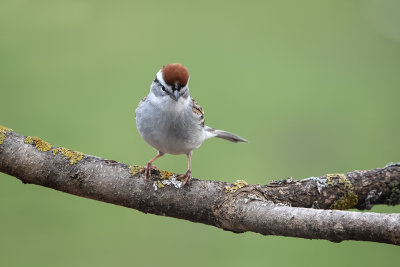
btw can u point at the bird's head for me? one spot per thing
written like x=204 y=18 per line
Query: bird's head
x=172 y=80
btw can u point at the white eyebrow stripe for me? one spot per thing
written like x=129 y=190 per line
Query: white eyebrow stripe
x=161 y=79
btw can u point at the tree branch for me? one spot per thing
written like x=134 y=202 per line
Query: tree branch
x=279 y=208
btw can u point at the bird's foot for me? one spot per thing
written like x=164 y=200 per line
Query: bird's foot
x=147 y=170
x=187 y=176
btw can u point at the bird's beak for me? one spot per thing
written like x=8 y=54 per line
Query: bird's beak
x=176 y=95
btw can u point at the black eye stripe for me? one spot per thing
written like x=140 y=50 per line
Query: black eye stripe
x=158 y=82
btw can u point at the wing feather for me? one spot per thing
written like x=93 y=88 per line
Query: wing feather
x=199 y=111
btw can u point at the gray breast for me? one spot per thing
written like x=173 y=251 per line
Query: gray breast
x=169 y=130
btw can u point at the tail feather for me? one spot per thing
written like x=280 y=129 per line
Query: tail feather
x=225 y=135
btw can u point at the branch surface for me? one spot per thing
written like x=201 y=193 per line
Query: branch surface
x=289 y=208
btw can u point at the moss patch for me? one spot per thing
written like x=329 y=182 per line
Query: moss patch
x=350 y=199
x=40 y=144
x=3 y=132
x=394 y=198
x=73 y=156
x=237 y=185
x=345 y=202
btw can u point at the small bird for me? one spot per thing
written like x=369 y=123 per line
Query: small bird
x=171 y=121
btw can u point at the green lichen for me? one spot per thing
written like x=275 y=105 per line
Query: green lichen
x=237 y=185
x=135 y=169
x=73 y=156
x=3 y=132
x=345 y=202
x=350 y=199
x=40 y=144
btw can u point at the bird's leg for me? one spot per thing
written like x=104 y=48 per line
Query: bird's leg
x=188 y=174
x=147 y=169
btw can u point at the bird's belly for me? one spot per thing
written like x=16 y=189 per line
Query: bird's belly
x=170 y=133
x=167 y=142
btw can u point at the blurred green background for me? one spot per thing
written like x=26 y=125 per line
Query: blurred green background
x=314 y=86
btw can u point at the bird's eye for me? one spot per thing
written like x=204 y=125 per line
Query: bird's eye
x=163 y=88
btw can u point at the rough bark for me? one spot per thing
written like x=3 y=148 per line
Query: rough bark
x=279 y=208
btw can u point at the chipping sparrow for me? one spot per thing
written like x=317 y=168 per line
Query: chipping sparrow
x=171 y=121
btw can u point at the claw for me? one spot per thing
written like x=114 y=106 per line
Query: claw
x=147 y=170
x=187 y=176
x=149 y=165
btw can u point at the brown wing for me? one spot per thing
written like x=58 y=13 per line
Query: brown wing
x=199 y=111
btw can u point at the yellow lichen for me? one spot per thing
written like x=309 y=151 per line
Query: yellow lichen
x=3 y=132
x=159 y=184
x=237 y=185
x=164 y=179
x=329 y=178
x=40 y=144
x=347 y=184
x=350 y=199
x=73 y=156
x=134 y=169
x=4 y=129
x=165 y=175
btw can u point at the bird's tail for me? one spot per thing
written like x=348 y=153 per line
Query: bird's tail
x=211 y=132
